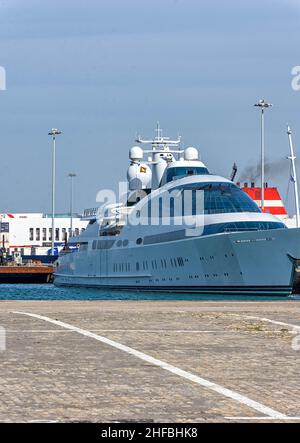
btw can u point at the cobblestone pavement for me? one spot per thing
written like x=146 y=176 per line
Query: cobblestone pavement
x=50 y=373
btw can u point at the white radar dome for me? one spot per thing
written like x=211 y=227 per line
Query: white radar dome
x=139 y=176
x=136 y=153
x=191 y=154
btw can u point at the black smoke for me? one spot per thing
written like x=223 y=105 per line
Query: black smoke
x=274 y=169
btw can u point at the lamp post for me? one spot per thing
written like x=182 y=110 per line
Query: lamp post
x=53 y=133
x=262 y=104
x=71 y=175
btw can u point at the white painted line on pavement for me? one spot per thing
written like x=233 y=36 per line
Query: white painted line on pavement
x=166 y=366
x=275 y=322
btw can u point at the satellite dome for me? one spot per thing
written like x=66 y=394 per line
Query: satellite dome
x=136 y=153
x=191 y=153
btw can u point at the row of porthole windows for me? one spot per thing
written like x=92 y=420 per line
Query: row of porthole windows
x=121 y=267
x=226 y=274
x=144 y=265
x=156 y=280
x=205 y=275
x=174 y=262
x=125 y=267
x=151 y=280
x=212 y=257
x=122 y=243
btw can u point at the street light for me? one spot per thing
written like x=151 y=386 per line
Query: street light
x=262 y=104
x=71 y=175
x=53 y=133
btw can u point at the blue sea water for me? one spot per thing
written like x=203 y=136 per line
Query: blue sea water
x=51 y=292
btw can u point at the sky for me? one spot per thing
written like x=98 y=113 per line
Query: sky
x=103 y=70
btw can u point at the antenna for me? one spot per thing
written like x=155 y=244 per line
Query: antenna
x=158 y=131
x=294 y=176
x=161 y=149
x=233 y=172
x=160 y=143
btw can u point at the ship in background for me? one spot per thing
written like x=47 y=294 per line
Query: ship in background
x=267 y=198
x=273 y=203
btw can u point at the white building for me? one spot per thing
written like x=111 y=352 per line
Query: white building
x=31 y=233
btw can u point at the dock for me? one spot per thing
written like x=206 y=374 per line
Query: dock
x=156 y=361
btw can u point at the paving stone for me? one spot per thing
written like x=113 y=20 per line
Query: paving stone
x=53 y=374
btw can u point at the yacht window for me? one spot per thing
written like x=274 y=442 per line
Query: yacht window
x=172 y=207
x=180 y=261
x=182 y=171
x=221 y=198
x=105 y=244
x=242 y=226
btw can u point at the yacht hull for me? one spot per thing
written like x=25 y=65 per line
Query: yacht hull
x=248 y=263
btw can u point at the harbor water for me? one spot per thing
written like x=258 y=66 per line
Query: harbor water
x=51 y=292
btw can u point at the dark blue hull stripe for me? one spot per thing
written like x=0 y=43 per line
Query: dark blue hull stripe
x=237 y=290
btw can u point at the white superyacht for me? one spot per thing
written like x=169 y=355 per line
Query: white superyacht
x=181 y=229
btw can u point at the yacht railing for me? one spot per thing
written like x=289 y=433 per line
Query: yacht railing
x=89 y=213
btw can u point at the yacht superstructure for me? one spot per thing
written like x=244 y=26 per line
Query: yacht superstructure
x=181 y=229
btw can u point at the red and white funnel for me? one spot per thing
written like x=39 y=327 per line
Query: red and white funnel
x=273 y=202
